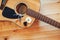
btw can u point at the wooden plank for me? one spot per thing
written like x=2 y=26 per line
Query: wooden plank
x=31 y=34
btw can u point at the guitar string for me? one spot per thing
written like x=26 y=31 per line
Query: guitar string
x=43 y=18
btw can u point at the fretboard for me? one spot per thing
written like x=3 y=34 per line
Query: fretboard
x=43 y=18
x=3 y=3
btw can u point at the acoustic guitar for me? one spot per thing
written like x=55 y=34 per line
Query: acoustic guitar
x=16 y=11
x=23 y=13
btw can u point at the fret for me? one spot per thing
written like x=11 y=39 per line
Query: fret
x=43 y=18
x=58 y=25
x=47 y=20
x=50 y=21
x=36 y=15
x=39 y=16
x=54 y=23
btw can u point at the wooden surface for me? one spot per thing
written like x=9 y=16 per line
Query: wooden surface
x=33 y=33
x=11 y=31
x=51 y=10
x=30 y=4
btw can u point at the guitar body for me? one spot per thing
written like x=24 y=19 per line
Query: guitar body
x=31 y=4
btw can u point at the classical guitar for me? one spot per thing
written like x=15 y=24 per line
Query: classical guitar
x=23 y=13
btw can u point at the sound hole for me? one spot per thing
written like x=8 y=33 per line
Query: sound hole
x=21 y=8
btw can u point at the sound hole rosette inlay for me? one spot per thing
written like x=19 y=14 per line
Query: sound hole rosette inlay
x=21 y=8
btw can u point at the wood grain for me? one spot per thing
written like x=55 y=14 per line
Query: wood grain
x=11 y=31
x=33 y=33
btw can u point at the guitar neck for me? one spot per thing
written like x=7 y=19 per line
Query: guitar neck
x=3 y=3
x=43 y=18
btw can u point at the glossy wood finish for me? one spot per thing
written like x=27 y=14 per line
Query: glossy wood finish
x=30 y=4
x=51 y=10
x=43 y=18
x=11 y=31
x=33 y=33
